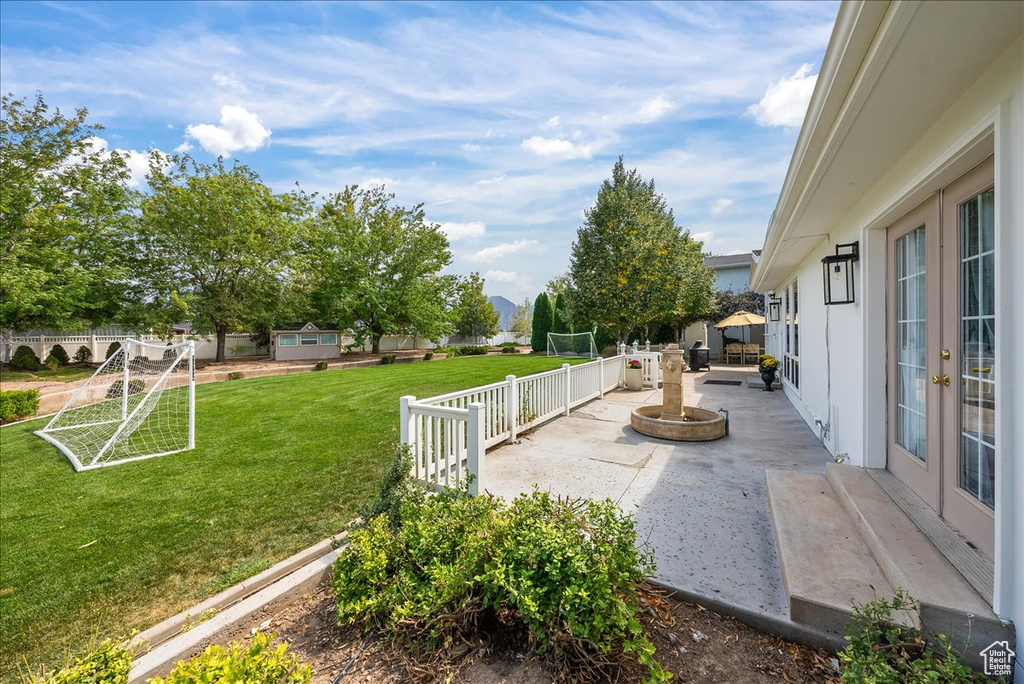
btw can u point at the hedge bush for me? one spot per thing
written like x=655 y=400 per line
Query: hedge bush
x=15 y=404
x=134 y=387
x=83 y=355
x=109 y=663
x=509 y=348
x=388 y=359
x=24 y=359
x=51 y=363
x=236 y=375
x=567 y=570
x=61 y=354
x=258 y=661
x=320 y=366
x=112 y=349
x=428 y=356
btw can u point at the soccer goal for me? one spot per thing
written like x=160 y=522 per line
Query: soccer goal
x=139 y=404
x=572 y=344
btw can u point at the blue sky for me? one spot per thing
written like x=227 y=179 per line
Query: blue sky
x=502 y=118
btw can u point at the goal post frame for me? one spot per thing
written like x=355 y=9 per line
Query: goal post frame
x=592 y=352
x=144 y=406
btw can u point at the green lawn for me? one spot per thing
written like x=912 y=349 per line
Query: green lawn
x=62 y=374
x=280 y=463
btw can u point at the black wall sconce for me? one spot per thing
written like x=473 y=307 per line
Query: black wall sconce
x=837 y=270
x=774 y=309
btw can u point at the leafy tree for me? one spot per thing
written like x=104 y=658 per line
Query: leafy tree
x=728 y=302
x=522 y=320
x=475 y=316
x=695 y=295
x=376 y=267
x=542 y=321
x=627 y=263
x=66 y=216
x=558 y=285
x=219 y=246
x=560 y=318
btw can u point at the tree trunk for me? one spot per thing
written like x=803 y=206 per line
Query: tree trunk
x=375 y=343
x=222 y=337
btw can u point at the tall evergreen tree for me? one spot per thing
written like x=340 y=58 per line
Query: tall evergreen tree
x=560 y=319
x=542 y=321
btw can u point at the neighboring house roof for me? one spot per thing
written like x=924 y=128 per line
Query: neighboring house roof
x=295 y=327
x=725 y=261
x=859 y=124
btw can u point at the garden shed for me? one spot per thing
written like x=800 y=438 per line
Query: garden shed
x=305 y=342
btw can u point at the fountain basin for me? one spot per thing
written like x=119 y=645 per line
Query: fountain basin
x=694 y=425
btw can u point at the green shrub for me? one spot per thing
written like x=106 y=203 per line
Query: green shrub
x=388 y=359
x=51 y=363
x=15 y=404
x=236 y=375
x=258 y=661
x=112 y=349
x=24 y=359
x=471 y=350
x=58 y=352
x=567 y=570
x=428 y=356
x=83 y=355
x=320 y=366
x=879 y=650
x=109 y=663
x=134 y=387
x=509 y=348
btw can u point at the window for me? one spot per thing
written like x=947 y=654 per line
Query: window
x=288 y=340
x=329 y=339
x=791 y=336
x=309 y=339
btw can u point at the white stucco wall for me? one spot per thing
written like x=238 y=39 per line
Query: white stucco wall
x=989 y=117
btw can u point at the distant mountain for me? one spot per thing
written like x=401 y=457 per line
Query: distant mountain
x=505 y=310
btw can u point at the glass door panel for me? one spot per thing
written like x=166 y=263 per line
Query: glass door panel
x=911 y=376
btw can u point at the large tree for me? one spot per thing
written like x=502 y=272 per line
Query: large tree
x=66 y=216
x=542 y=320
x=474 y=314
x=695 y=295
x=626 y=264
x=219 y=245
x=376 y=267
x=560 y=315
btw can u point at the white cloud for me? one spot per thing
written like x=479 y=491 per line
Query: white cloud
x=705 y=237
x=500 y=251
x=785 y=102
x=137 y=162
x=470 y=147
x=239 y=129
x=490 y=181
x=551 y=124
x=557 y=148
x=184 y=147
x=521 y=285
x=655 y=108
x=721 y=205
x=470 y=230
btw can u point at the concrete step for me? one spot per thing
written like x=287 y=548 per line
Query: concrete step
x=825 y=564
x=908 y=559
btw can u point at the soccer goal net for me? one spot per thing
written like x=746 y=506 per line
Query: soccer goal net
x=572 y=344
x=139 y=404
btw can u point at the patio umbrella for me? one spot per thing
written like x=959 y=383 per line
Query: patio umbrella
x=740 y=318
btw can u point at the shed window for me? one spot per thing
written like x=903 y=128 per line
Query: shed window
x=329 y=339
x=288 y=340
x=309 y=339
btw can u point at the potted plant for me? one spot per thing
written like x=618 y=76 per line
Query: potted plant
x=768 y=365
x=634 y=375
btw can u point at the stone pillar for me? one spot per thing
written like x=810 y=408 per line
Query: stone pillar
x=673 y=365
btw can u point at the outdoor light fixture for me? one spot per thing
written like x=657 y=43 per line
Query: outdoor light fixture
x=837 y=270
x=774 y=308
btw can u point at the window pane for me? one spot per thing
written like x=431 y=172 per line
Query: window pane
x=287 y=340
x=329 y=339
x=309 y=339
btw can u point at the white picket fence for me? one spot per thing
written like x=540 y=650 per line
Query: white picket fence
x=449 y=434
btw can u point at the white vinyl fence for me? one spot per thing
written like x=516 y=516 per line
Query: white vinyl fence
x=449 y=434
x=236 y=346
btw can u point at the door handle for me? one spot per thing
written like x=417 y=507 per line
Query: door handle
x=940 y=380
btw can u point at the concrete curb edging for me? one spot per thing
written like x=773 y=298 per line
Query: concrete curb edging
x=791 y=631
x=167 y=643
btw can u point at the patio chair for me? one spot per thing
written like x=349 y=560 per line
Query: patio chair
x=750 y=353
x=734 y=350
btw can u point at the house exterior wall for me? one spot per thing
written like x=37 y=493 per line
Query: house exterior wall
x=735 y=278
x=843 y=348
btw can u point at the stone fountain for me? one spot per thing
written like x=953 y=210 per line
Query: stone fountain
x=673 y=420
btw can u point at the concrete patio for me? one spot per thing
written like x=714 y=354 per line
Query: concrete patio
x=701 y=505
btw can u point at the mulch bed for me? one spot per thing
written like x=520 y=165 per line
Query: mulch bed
x=695 y=644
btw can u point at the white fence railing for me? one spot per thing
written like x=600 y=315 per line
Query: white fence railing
x=448 y=434
x=237 y=345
